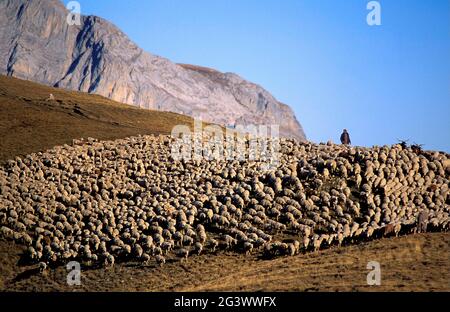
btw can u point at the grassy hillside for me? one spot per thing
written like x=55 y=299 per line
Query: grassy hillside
x=29 y=122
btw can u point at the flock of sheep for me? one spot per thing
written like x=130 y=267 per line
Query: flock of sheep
x=100 y=202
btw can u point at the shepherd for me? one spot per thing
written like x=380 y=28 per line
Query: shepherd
x=345 y=138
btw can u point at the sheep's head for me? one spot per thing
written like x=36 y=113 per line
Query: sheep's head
x=403 y=143
x=417 y=148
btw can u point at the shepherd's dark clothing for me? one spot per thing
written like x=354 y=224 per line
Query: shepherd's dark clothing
x=345 y=138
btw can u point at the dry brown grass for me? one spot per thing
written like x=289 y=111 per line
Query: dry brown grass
x=413 y=263
x=29 y=123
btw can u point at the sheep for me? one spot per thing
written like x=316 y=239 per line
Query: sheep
x=397 y=228
x=117 y=197
x=42 y=266
x=167 y=246
x=388 y=229
x=248 y=247
x=198 y=248
x=340 y=238
x=316 y=241
x=369 y=232
x=291 y=249
x=213 y=244
x=422 y=222
x=138 y=251
x=187 y=240
x=306 y=242
x=229 y=241
x=145 y=258
x=157 y=250
x=183 y=253
x=202 y=237
x=109 y=260
x=160 y=260
x=6 y=232
x=200 y=228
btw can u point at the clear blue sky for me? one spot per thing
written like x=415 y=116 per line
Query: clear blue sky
x=319 y=56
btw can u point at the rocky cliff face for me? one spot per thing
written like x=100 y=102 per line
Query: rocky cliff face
x=36 y=43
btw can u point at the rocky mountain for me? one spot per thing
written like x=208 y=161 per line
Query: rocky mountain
x=37 y=43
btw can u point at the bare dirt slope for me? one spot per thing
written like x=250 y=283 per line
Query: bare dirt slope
x=30 y=123
x=412 y=263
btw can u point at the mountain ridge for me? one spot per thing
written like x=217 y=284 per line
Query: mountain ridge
x=37 y=44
